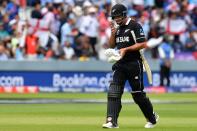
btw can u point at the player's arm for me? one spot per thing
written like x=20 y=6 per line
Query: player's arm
x=137 y=46
x=112 y=41
x=112 y=37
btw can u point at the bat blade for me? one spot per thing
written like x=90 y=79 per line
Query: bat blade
x=147 y=68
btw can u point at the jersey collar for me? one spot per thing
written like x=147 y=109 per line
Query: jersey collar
x=129 y=19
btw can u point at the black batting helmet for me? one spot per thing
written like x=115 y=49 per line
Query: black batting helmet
x=118 y=10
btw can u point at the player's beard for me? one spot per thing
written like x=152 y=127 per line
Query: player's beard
x=121 y=22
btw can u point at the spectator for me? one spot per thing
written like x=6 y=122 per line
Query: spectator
x=104 y=38
x=3 y=53
x=32 y=44
x=14 y=42
x=36 y=13
x=12 y=9
x=145 y=24
x=191 y=44
x=3 y=33
x=6 y=25
x=44 y=2
x=90 y=28
x=194 y=16
x=83 y=49
x=49 y=17
x=67 y=31
x=69 y=52
x=166 y=55
x=176 y=43
x=49 y=20
x=19 y=53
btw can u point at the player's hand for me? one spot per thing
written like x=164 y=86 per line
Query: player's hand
x=123 y=52
x=113 y=29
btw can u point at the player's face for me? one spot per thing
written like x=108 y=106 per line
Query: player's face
x=119 y=20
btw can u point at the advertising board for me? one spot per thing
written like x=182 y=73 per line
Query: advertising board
x=71 y=81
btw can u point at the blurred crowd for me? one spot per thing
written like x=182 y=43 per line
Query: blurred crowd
x=79 y=29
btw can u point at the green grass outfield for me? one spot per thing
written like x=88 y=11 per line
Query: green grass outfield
x=90 y=117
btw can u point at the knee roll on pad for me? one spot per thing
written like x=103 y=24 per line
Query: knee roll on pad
x=115 y=90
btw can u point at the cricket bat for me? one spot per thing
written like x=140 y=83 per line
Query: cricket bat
x=147 y=68
x=145 y=62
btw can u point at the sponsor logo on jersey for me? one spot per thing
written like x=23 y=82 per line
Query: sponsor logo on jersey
x=122 y=39
x=126 y=30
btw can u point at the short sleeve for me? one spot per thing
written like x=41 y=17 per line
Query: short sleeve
x=139 y=33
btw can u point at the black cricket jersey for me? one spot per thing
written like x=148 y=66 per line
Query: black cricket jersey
x=127 y=35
